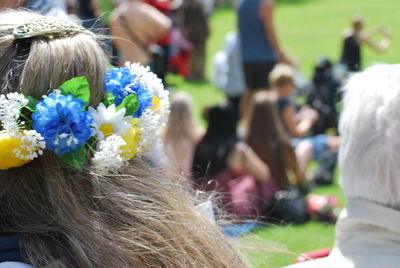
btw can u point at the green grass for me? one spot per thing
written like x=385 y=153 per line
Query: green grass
x=308 y=29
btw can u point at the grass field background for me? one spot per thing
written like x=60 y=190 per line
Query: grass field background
x=308 y=29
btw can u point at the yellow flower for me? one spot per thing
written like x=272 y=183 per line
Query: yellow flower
x=156 y=102
x=131 y=137
x=8 y=158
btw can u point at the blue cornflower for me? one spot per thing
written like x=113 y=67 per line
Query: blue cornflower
x=145 y=99
x=115 y=82
x=121 y=83
x=62 y=123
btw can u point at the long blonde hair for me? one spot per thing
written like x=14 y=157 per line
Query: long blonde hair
x=137 y=217
x=182 y=133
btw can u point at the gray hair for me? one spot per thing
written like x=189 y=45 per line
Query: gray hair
x=369 y=155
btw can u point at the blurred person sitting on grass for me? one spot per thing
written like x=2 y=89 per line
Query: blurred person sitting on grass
x=266 y=136
x=228 y=166
x=368 y=232
x=298 y=124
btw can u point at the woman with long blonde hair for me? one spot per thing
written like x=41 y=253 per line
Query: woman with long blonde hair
x=181 y=134
x=69 y=196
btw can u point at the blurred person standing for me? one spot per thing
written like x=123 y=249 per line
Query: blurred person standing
x=137 y=26
x=228 y=73
x=194 y=20
x=259 y=44
x=355 y=37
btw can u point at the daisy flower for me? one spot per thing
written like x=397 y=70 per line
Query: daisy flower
x=109 y=121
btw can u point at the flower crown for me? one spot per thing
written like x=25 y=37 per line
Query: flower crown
x=123 y=125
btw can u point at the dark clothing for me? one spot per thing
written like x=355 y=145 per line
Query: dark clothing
x=10 y=248
x=256 y=74
x=323 y=96
x=282 y=103
x=351 y=54
x=255 y=46
x=87 y=15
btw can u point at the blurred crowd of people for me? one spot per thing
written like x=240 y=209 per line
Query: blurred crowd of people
x=167 y=35
x=261 y=142
x=255 y=152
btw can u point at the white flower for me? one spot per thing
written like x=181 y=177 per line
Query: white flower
x=32 y=145
x=152 y=118
x=10 y=106
x=108 y=157
x=148 y=126
x=109 y=121
x=147 y=78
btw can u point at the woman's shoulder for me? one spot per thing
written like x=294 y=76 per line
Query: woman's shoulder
x=13 y=264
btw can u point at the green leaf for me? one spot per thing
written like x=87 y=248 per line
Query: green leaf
x=77 y=87
x=76 y=159
x=109 y=99
x=31 y=106
x=130 y=103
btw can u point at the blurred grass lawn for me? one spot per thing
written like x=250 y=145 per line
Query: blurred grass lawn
x=308 y=29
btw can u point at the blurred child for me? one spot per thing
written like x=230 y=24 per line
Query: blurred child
x=298 y=124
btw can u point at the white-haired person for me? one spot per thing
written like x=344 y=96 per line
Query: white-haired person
x=75 y=189
x=368 y=230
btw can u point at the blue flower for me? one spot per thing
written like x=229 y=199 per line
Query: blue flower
x=121 y=83
x=145 y=99
x=62 y=123
x=115 y=82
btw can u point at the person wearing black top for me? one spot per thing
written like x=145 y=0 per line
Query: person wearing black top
x=355 y=37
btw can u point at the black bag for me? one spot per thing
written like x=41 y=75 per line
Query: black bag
x=289 y=206
x=323 y=96
x=326 y=168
